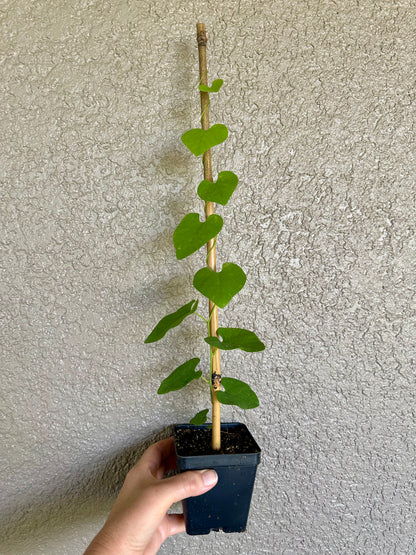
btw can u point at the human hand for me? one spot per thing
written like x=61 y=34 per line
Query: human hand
x=138 y=523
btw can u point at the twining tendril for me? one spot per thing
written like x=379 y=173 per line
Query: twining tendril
x=205 y=109
x=203 y=75
x=211 y=249
x=209 y=101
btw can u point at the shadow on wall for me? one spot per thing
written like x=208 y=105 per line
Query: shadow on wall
x=87 y=494
x=90 y=495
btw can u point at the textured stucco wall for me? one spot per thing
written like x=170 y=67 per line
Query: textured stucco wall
x=319 y=98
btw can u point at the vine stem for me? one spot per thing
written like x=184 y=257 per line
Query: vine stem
x=211 y=250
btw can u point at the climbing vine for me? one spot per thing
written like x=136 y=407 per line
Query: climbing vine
x=218 y=286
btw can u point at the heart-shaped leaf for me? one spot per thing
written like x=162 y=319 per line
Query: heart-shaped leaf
x=237 y=393
x=180 y=377
x=220 y=287
x=199 y=418
x=171 y=321
x=215 y=87
x=221 y=190
x=236 y=338
x=191 y=234
x=200 y=140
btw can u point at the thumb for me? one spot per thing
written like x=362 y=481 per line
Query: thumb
x=188 y=484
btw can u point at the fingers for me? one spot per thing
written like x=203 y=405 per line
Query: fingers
x=172 y=524
x=187 y=484
x=139 y=513
x=168 y=464
x=157 y=459
x=159 y=451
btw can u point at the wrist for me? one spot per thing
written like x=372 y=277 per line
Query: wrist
x=106 y=544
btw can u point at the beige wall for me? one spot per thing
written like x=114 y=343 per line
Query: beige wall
x=319 y=98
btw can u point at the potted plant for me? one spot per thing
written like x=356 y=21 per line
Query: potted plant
x=229 y=448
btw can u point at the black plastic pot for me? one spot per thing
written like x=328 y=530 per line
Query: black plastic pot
x=227 y=505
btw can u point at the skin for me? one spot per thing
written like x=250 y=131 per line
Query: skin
x=138 y=523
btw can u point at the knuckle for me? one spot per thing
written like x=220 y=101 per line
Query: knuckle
x=192 y=483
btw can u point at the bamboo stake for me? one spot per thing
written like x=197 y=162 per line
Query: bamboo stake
x=211 y=257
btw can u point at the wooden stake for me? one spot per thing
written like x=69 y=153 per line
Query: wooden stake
x=211 y=258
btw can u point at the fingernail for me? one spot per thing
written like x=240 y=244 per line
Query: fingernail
x=209 y=477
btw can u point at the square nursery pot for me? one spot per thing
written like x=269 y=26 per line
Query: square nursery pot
x=227 y=505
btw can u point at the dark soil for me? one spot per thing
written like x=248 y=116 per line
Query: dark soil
x=195 y=441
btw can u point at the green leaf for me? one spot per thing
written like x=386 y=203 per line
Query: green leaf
x=236 y=338
x=180 y=377
x=237 y=393
x=220 y=287
x=191 y=234
x=215 y=87
x=199 y=140
x=221 y=190
x=171 y=321
x=199 y=418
